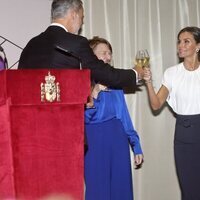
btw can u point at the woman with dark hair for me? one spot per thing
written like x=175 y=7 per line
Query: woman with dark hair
x=181 y=89
x=109 y=131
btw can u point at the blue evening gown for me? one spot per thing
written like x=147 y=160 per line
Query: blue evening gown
x=109 y=131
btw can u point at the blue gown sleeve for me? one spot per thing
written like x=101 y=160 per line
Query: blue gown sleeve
x=123 y=114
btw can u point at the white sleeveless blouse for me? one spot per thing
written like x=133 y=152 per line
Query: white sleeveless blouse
x=184 y=89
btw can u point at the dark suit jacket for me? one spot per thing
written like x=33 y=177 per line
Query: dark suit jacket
x=40 y=52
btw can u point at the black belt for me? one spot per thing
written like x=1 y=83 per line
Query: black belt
x=188 y=120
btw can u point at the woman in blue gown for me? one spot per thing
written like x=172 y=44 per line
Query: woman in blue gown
x=109 y=131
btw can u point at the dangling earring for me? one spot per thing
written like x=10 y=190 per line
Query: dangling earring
x=197 y=50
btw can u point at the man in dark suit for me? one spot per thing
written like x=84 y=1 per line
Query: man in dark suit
x=67 y=19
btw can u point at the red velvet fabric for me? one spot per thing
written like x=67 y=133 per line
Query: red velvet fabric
x=41 y=144
x=7 y=188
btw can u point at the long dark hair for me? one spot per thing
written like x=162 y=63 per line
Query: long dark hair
x=195 y=31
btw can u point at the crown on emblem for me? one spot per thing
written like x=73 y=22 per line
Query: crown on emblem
x=50 y=78
x=50 y=91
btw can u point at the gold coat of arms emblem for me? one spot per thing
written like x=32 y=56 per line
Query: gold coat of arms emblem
x=50 y=91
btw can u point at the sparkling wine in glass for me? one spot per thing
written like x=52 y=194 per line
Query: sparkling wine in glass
x=142 y=60
x=139 y=58
x=139 y=62
x=146 y=58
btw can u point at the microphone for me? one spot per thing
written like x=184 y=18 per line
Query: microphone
x=70 y=53
x=5 y=58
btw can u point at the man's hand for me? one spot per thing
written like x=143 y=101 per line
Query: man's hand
x=140 y=72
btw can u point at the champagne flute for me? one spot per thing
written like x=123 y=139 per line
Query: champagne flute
x=139 y=60
x=146 y=58
x=142 y=58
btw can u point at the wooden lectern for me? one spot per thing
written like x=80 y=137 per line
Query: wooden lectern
x=42 y=133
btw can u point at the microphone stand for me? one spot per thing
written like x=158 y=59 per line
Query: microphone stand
x=70 y=53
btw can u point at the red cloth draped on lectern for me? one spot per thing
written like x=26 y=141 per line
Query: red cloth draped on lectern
x=41 y=143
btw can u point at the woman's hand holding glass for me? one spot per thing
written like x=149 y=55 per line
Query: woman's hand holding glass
x=147 y=75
